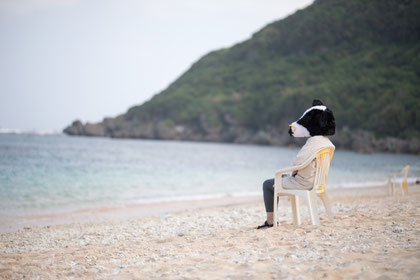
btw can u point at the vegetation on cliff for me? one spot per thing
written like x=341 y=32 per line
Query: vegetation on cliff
x=361 y=58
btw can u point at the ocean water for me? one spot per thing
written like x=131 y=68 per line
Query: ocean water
x=50 y=173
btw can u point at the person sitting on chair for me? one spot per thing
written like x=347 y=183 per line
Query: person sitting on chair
x=315 y=123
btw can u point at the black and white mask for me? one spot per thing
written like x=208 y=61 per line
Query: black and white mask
x=317 y=120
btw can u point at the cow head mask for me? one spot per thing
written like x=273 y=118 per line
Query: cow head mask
x=317 y=120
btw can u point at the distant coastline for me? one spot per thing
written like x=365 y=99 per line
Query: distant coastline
x=358 y=141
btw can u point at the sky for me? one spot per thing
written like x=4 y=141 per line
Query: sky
x=62 y=60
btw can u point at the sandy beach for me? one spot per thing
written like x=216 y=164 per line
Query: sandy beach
x=373 y=236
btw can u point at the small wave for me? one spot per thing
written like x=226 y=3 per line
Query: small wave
x=410 y=180
x=35 y=132
x=197 y=197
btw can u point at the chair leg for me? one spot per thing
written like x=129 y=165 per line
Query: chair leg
x=275 y=208
x=404 y=189
x=312 y=207
x=389 y=188
x=327 y=205
x=294 y=200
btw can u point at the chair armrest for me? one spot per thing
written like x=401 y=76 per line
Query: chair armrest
x=279 y=173
x=293 y=168
x=285 y=170
x=394 y=176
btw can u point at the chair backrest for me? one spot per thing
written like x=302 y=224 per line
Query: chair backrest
x=404 y=182
x=405 y=171
x=323 y=159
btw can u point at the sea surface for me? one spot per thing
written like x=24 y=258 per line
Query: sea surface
x=50 y=173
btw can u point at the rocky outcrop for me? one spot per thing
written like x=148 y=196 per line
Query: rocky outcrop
x=76 y=128
x=89 y=129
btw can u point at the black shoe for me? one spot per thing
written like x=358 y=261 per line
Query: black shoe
x=265 y=225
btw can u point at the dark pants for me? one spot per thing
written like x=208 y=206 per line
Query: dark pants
x=268 y=190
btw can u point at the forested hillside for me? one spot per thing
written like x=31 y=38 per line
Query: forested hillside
x=361 y=58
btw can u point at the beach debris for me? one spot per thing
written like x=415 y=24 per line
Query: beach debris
x=397 y=229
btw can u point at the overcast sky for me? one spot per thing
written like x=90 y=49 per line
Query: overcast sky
x=62 y=60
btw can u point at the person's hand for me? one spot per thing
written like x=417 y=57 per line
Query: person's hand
x=294 y=173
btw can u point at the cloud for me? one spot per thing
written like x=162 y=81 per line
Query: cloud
x=24 y=7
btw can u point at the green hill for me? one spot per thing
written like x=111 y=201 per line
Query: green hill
x=361 y=58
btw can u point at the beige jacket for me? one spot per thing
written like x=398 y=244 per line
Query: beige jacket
x=305 y=177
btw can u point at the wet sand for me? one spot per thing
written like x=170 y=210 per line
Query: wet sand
x=372 y=236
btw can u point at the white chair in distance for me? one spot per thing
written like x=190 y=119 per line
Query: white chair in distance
x=323 y=158
x=398 y=178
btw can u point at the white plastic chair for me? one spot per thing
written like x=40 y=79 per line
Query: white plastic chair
x=323 y=159
x=400 y=178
